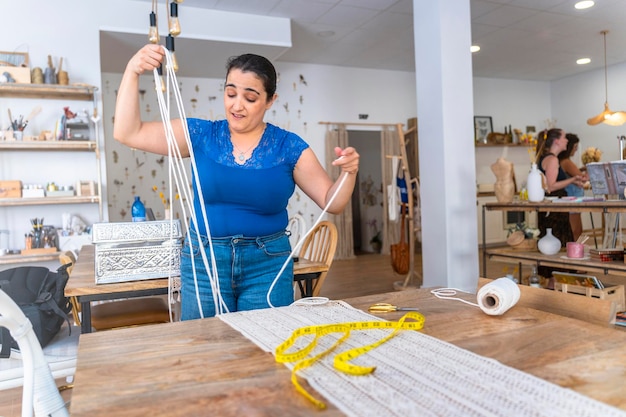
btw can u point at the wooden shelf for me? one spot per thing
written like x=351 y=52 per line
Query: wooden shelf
x=60 y=145
x=500 y=145
x=606 y=206
x=537 y=258
x=15 y=259
x=47 y=91
x=42 y=201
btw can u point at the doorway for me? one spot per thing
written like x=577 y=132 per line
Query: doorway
x=367 y=204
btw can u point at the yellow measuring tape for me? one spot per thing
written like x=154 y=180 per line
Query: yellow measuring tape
x=341 y=361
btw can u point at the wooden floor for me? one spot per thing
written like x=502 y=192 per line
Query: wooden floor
x=372 y=273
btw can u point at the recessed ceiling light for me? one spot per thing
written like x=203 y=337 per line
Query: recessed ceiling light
x=584 y=4
x=326 y=33
x=583 y=61
x=474 y=48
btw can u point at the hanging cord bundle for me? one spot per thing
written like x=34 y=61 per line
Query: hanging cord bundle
x=181 y=178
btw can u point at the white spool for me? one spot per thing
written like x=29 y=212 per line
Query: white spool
x=497 y=297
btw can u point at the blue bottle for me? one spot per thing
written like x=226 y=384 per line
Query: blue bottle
x=138 y=211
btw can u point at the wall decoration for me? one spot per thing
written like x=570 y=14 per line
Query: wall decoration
x=483 y=126
x=135 y=172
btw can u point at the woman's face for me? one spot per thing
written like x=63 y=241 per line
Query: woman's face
x=245 y=101
x=561 y=142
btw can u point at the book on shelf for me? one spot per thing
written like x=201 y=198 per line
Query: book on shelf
x=577 y=279
x=607 y=177
x=620 y=319
x=606 y=254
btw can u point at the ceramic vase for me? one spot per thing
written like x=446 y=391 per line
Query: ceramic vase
x=534 y=185
x=549 y=244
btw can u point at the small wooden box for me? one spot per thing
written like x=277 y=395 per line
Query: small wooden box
x=10 y=189
x=20 y=75
x=612 y=293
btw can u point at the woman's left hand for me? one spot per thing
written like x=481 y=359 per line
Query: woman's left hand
x=347 y=159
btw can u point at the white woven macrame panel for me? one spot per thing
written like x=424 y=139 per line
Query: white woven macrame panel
x=416 y=374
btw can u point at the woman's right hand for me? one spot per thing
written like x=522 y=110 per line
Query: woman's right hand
x=146 y=59
x=578 y=180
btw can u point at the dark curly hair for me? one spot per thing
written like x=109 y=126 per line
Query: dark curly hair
x=257 y=64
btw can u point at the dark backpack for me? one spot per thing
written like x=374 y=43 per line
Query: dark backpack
x=40 y=294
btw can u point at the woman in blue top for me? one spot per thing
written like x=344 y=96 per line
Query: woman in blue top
x=247 y=169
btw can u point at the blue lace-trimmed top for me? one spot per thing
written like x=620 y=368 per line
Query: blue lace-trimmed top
x=249 y=199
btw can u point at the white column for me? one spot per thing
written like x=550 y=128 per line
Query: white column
x=446 y=143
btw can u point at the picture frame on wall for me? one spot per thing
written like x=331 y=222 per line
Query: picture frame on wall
x=483 y=126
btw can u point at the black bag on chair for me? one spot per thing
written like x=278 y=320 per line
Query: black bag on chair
x=40 y=294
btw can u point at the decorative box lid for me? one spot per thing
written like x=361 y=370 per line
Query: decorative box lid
x=119 y=232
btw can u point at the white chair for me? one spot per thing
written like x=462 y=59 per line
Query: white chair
x=40 y=391
x=297 y=228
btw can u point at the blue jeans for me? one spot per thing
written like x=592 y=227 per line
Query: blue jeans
x=246 y=268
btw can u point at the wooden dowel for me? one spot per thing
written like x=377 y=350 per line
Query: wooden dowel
x=358 y=124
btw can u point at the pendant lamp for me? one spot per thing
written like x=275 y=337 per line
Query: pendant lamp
x=608 y=117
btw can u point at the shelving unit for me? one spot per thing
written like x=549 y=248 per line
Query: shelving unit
x=55 y=152
x=539 y=259
x=25 y=259
x=47 y=91
x=500 y=145
x=61 y=145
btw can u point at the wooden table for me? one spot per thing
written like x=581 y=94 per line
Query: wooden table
x=203 y=367
x=307 y=271
x=82 y=284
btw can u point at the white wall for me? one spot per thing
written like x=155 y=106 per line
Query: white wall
x=569 y=102
x=575 y=99
x=509 y=102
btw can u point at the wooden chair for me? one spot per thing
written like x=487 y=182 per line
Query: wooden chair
x=120 y=313
x=320 y=246
x=592 y=310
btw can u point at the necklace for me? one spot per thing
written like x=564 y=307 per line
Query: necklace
x=242 y=154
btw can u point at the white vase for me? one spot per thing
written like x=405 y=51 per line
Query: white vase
x=549 y=244
x=534 y=185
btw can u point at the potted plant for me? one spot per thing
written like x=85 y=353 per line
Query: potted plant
x=523 y=237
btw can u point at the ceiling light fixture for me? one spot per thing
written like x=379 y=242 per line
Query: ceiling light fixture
x=608 y=117
x=326 y=33
x=583 y=61
x=474 y=48
x=584 y=4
